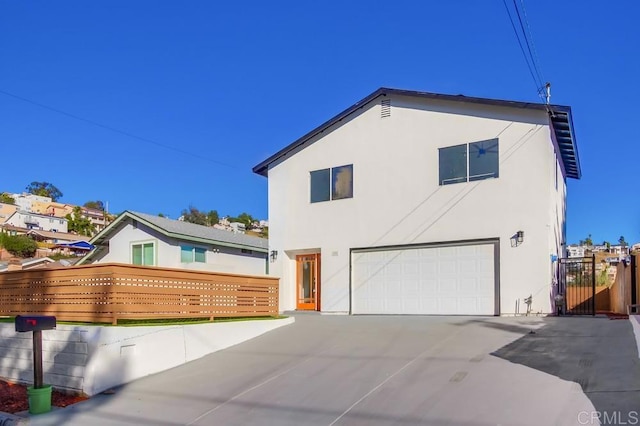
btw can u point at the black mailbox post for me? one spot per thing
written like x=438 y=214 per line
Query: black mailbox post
x=36 y=323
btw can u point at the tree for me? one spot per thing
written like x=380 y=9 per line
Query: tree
x=96 y=205
x=80 y=224
x=161 y=215
x=19 y=245
x=44 y=189
x=212 y=217
x=6 y=198
x=193 y=215
x=588 y=241
x=622 y=242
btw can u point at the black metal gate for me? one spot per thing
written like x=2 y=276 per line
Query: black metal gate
x=577 y=282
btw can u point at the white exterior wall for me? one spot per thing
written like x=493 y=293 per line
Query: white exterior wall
x=91 y=359
x=397 y=199
x=167 y=251
x=24 y=200
x=44 y=223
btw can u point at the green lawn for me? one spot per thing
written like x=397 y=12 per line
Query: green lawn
x=158 y=321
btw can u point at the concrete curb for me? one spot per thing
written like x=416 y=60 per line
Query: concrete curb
x=635 y=323
x=7 y=419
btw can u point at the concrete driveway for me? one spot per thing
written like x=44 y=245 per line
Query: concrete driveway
x=350 y=370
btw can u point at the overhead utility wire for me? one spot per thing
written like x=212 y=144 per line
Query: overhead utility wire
x=113 y=129
x=528 y=44
x=533 y=45
x=537 y=84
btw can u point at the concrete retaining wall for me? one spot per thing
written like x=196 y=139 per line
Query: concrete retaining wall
x=91 y=359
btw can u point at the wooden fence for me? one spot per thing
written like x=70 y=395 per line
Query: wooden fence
x=577 y=298
x=109 y=292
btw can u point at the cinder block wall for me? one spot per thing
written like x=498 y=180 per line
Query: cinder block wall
x=64 y=356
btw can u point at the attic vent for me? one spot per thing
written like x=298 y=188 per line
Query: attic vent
x=385 y=110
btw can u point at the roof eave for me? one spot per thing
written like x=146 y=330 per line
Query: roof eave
x=563 y=135
x=291 y=149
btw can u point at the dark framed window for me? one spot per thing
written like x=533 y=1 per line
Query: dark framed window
x=332 y=184
x=320 y=185
x=469 y=162
x=342 y=182
x=453 y=164
x=483 y=160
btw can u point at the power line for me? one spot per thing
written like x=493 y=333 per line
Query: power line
x=531 y=66
x=533 y=45
x=115 y=130
x=528 y=43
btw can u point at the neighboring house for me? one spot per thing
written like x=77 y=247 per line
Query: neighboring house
x=58 y=209
x=97 y=217
x=419 y=203
x=55 y=237
x=575 y=250
x=25 y=201
x=7 y=210
x=16 y=264
x=238 y=227
x=143 y=239
x=42 y=236
x=22 y=219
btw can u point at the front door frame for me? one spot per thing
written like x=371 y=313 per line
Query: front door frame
x=313 y=303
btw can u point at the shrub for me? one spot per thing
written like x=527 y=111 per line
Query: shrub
x=19 y=245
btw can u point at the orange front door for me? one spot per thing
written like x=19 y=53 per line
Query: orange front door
x=308 y=282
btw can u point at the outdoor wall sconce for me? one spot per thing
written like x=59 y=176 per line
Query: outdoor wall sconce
x=517 y=239
x=274 y=255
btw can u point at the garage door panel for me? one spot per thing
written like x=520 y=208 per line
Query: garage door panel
x=454 y=280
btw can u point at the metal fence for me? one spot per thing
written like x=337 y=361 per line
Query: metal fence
x=577 y=281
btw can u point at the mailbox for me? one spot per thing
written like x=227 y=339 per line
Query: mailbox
x=35 y=323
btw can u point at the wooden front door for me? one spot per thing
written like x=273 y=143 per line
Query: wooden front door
x=308 y=282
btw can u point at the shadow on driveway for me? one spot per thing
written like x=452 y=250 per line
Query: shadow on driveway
x=597 y=353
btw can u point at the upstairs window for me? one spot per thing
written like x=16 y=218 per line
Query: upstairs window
x=332 y=184
x=143 y=254
x=468 y=162
x=190 y=254
x=320 y=185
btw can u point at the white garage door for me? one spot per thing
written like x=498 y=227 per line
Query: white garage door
x=451 y=280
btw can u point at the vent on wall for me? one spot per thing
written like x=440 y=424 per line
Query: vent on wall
x=385 y=110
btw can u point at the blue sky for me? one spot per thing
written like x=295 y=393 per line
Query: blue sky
x=226 y=84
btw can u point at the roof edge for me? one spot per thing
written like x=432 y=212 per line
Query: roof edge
x=263 y=167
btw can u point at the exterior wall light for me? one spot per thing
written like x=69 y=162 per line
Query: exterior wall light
x=520 y=237
x=273 y=255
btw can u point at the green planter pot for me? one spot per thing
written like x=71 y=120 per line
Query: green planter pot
x=39 y=399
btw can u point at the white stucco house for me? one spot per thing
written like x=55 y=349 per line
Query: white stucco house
x=27 y=220
x=144 y=239
x=420 y=203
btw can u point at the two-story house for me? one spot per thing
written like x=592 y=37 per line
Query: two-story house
x=422 y=203
x=28 y=220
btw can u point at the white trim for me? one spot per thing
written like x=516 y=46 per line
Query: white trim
x=142 y=243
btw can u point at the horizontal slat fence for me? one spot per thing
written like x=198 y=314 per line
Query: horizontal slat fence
x=109 y=292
